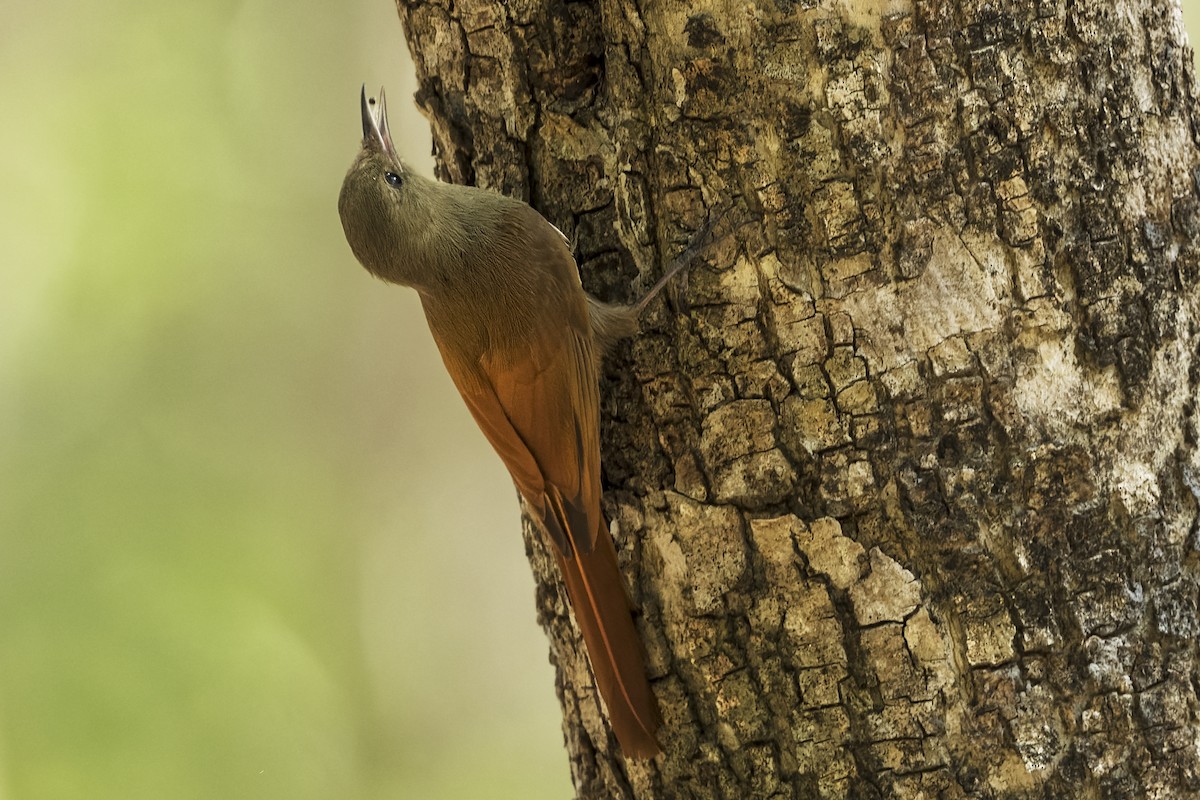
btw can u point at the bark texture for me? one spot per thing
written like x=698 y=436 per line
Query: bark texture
x=908 y=498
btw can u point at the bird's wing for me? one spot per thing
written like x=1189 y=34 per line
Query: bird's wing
x=542 y=416
x=536 y=398
x=539 y=406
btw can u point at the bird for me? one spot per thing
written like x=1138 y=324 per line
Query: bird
x=523 y=343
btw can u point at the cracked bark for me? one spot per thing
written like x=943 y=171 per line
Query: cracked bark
x=908 y=497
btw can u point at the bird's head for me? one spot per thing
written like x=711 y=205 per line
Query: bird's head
x=379 y=204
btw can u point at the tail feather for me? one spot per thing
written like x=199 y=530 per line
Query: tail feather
x=601 y=606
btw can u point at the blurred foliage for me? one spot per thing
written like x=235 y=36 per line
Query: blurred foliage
x=251 y=544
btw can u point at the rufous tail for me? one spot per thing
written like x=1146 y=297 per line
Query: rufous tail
x=601 y=606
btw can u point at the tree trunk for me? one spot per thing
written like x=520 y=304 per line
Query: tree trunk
x=908 y=496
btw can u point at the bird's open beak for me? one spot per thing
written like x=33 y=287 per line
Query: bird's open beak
x=376 y=134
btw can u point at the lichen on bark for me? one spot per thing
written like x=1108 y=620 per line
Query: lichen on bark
x=907 y=492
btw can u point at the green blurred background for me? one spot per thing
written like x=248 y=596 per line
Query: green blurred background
x=251 y=544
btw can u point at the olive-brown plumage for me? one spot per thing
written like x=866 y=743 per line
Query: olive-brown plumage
x=522 y=342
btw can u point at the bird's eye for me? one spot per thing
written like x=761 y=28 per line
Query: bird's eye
x=392 y=178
